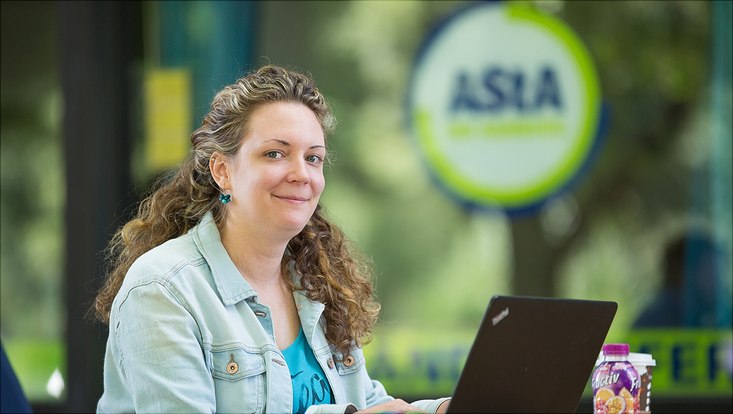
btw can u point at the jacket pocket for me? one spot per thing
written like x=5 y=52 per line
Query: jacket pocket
x=238 y=380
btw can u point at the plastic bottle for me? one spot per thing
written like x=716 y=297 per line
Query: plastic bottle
x=615 y=382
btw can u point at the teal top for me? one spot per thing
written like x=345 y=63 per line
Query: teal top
x=310 y=386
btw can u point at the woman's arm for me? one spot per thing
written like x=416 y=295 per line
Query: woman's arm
x=159 y=354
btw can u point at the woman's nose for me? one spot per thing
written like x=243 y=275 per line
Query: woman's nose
x=299 y=172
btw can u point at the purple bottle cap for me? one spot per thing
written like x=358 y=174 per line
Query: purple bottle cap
x=616 y=349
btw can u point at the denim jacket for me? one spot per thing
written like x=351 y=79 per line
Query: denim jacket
x=187 y=334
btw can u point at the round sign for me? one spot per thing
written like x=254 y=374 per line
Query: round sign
x=504 y=105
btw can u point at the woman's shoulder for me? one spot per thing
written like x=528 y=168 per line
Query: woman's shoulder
x=174 y=271
x=167 y=260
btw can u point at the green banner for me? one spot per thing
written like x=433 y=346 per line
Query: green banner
x=692 y=362
x=428 y=363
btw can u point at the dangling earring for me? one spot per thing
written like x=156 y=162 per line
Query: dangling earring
x=225 y=198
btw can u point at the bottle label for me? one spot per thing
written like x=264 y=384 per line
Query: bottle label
x=616 y=388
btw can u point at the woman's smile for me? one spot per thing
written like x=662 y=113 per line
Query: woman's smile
x=292 y=199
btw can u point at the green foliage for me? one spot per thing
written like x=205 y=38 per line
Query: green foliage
x=32 y=182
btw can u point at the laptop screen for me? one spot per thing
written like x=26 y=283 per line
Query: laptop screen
x=532 y=355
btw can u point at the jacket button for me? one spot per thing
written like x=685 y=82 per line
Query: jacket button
x=232 y=367
x=349 y=361
x=330 y=363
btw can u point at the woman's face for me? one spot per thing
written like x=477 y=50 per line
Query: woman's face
x=276 y=177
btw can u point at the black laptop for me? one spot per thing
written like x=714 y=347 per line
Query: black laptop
x=532 y=355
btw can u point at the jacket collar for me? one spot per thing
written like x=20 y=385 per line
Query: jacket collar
x=309 y=311
x=230 y=284
x=233 y=288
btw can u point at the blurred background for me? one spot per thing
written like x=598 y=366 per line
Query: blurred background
x=99 y=99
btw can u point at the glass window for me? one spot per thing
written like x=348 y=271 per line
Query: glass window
x=32 y=202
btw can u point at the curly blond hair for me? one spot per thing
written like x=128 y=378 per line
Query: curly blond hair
x=331 y=271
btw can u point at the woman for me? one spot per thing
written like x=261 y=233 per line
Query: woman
x=230 y=291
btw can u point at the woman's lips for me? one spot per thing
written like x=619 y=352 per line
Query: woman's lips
x=292 y=198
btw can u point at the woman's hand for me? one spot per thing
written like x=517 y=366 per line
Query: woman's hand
x=394 y=406
x=443 y=407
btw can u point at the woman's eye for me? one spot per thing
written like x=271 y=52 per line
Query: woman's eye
x=314 y=159
x=273 y=154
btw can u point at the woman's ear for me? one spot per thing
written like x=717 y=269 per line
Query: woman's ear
x=220 y=170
